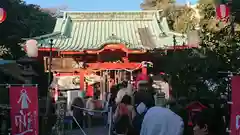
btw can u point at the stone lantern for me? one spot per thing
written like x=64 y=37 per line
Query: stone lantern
x=61 y=106
x=160 y=98
x=27 y=69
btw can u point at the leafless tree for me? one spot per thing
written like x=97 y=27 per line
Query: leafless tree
x=56 y=11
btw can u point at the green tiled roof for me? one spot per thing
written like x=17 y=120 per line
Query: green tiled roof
x=91 y=30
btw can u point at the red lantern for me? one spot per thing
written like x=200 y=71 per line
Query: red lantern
x=3 y=15
x=222 y=12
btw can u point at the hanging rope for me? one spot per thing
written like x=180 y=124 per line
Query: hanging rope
x=129 y=70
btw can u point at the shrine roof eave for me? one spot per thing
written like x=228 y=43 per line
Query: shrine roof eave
x=131 y=51
x=96 y=50
x=44 y=39
x=46 y=36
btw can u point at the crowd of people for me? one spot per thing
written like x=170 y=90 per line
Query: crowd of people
x=135 y=113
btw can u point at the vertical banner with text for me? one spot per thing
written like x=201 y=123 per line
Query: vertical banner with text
x=24 y=110
x=235 y=108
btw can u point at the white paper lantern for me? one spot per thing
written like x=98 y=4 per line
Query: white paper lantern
x=31 y=48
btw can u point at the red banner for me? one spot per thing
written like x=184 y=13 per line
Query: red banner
x=235 y=109
x=24 y=110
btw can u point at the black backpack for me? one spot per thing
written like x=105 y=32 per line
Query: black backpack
x=137 y=122
x=122 y=124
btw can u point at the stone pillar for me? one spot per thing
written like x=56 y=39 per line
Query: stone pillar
x=160 y=98
x=61 y=106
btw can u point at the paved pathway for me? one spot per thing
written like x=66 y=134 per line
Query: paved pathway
x=89 y=131
x=97 y=129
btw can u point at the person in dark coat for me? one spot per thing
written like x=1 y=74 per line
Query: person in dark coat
x=143 y=100
x=113 y=91
x=78 y=113
x=144 y=94
x=141 y=110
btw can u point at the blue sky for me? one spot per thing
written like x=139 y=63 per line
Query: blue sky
x=94 y=5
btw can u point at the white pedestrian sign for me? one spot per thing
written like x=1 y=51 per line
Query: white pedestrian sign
x=24 y=111
x=24 y=99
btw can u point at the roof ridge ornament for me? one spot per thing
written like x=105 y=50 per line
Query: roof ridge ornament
x=113 y=39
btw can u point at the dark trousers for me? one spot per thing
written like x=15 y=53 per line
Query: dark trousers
x=105 y=116
x=80 y=119
x=89 y=120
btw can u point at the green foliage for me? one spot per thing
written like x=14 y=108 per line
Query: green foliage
x=236 y=9
x=184 y=18
x=195 y=73
x=23 y=21
x=181 y=18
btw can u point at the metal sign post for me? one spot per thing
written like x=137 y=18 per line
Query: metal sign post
x=4 y=124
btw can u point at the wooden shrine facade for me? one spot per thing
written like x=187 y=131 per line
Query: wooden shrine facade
x=110 y=57
x=115 y=57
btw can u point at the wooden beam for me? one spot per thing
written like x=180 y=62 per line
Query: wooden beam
x=62 y=63
x=114 y=66
x=93 y=67
x=70 y=70
x=47 y=49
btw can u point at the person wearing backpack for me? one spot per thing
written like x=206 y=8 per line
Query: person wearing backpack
x=143 y=101
x=141 y=110
x=123 y=116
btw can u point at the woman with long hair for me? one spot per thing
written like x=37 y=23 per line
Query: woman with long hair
x=123 y=116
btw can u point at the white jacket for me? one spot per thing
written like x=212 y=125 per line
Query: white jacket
x=161 y=121
x=90 y=106
x=122 y=92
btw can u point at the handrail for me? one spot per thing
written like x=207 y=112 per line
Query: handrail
x=90 y=110
x=97 y=111
x=75 y=120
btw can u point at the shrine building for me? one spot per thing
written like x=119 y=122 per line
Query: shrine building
x=106 y=43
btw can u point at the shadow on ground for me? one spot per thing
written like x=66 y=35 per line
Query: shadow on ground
x=97 y=128
x=101 y=130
